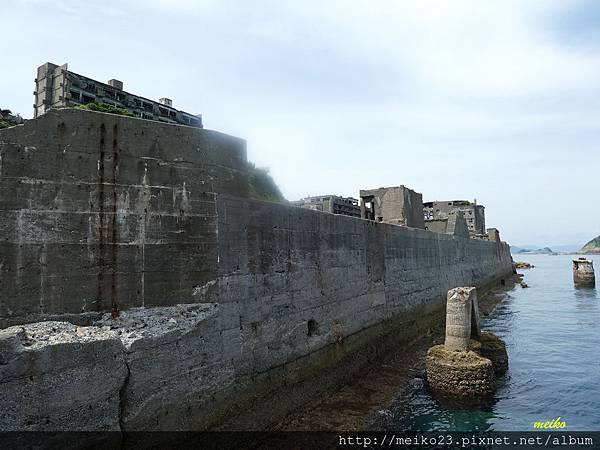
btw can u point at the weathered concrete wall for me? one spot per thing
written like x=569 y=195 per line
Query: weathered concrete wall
x=297 y=292
x=275 y=295
x=280 y=263
x=99 y=210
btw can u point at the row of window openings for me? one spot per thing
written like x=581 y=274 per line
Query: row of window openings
x=468 y=212
x=75 y=95
x=83 y=98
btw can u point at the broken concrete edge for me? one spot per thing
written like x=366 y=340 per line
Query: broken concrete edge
x=130 y=328
x=81 y=319
x=157 y=324
x=56 y=359
x=128 y=321
x=43 y=364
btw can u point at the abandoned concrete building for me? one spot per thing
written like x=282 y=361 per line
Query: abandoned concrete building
x=58 y=87
x=454 y=224
x=493 y=235
x=334 y=204
x=398 y=205
x=436 y=214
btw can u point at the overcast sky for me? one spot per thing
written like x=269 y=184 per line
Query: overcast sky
x=494 y=100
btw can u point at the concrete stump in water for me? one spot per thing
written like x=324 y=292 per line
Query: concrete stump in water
x=466 y=365
x=458 y=318
x=457 y=374
x=583 y=272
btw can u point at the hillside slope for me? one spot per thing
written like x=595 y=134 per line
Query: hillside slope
x=593 y=246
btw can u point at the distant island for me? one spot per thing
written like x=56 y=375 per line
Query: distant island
x=592 y=247
x=539 y=251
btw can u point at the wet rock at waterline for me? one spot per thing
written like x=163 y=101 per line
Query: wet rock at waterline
x=493 y=348
x=458 y=374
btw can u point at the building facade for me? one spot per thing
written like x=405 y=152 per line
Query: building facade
x=334 y=204
x=58 y=87
x=473 y=213
x=398 y=205
x=454 y=224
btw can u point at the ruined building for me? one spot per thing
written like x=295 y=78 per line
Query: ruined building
x=437 y=213
x=58 y=87
x=346 y=206
x=397 y=205
x=454 y=224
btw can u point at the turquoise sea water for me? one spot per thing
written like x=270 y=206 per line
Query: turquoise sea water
x=552 y=333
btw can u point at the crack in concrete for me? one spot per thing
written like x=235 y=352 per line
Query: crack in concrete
x=123 y=397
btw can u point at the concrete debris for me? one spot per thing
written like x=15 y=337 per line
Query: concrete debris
x=146 y=323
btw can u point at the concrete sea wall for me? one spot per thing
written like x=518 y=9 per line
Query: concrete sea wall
x=99 y=211
x=225 y=304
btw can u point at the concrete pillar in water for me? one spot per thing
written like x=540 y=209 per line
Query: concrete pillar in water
x=466 y=365
x=583 y=272
x=459 y=308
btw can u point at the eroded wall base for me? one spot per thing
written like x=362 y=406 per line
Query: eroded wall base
x=171 y=368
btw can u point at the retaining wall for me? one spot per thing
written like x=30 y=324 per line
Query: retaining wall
x=100 y=211
x=225 y=304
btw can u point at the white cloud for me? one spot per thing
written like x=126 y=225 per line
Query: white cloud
x=454 y=98
x=474 y=47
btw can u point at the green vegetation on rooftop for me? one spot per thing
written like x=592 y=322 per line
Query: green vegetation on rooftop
x=102 y=107
x=7 y=119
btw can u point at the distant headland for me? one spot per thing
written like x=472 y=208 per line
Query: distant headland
x=592 y=247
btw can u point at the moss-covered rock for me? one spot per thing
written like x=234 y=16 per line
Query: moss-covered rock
x=493 y=348
x=460 y=375
x=103 y=107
